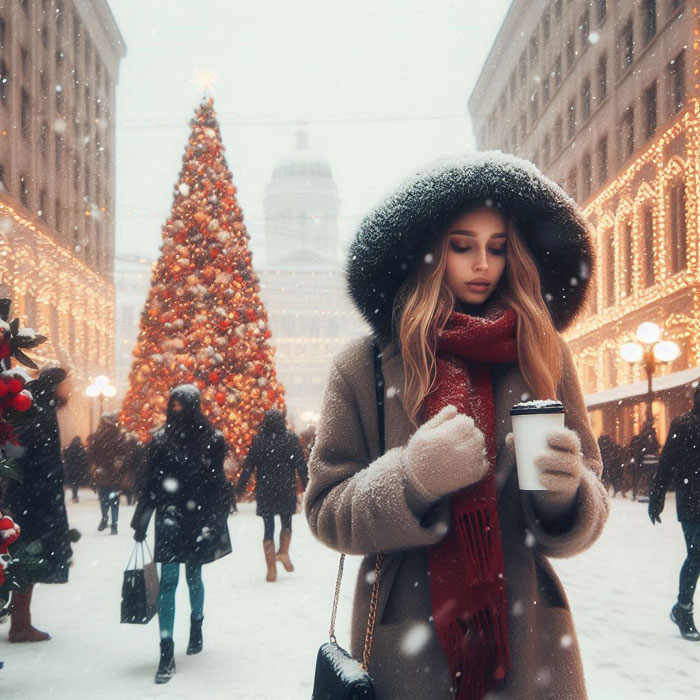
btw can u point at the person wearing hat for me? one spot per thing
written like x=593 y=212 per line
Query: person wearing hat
x=467 y=273
x=679 y=465
x=38 y=502
x=188 y=491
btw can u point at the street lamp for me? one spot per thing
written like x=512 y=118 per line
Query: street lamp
x=651 y=352
x=101 y=388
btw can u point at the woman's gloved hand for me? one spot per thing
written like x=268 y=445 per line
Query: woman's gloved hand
x=447 y=453
x=561 y=467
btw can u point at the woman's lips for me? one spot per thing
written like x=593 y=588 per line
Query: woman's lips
x=478 y=286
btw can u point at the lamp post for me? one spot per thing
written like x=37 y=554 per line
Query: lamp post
x=100 y=388
x=651 y=352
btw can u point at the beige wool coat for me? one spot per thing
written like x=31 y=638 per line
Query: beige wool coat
x=359 y=502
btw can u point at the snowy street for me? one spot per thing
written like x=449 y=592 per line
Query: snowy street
x=260 y=640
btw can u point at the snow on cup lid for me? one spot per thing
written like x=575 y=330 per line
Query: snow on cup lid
x=537 y=406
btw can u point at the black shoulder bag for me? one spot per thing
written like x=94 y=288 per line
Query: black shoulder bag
x=338 y=675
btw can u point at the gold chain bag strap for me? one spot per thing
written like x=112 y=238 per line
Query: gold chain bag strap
x=338 y=675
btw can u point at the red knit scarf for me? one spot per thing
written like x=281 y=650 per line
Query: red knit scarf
x=467 y=580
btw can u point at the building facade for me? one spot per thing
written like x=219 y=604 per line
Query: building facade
x=302 y=280
x=603 y=96
x=58 y=71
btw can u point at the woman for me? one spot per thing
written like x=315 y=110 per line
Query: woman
x=188 y=491
x=276 y=457
x=75 y=466
x=39 y=501
x=465 y=273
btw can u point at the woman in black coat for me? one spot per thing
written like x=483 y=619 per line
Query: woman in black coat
x=75 y=466
x=276 y=456
x=38 y=502
x=187 y=489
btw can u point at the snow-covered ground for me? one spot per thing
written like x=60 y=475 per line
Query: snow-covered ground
x=261 y=639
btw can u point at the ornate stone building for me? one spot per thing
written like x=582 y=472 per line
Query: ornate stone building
x=58 y=71
x=604 y=97
x=302 y=281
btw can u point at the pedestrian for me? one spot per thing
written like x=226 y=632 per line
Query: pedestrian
x=613 y=457
x=75 y=466
x=680 y=465
x=38 y=501
x=276 y=458
x=106 y=452
x=134 y=468
x=643 y=450
x=187 y=490
x=466 y=274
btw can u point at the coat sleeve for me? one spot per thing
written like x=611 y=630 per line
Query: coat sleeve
x=357 y=505
x=300 y=462
x=668 y=462
x=248 y=467
x=149 y=496
x=579 y=528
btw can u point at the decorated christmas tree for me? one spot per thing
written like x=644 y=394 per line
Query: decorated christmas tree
x=204 y=322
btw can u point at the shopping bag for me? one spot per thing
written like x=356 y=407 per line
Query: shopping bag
x=139 y=589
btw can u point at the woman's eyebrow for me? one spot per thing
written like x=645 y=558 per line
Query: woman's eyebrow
x=471 y=234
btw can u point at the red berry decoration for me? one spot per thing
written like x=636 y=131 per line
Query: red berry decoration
x=3 y=389
x=14 y=386
x=22 y=402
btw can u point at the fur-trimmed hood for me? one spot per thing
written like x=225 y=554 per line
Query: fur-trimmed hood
x=396 y=235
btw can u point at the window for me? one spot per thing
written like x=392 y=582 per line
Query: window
x=43 y=138
x=675 y=4
x=3 y=27
x=677 y=223
x=86 y=184
x=558 y=7
x=534 y=49
x=25 y=7
x=4 y=76
x=650 y=110
x=676 y=79
x=602 y=160
x=522 y=67
x=44 y=36
x=545 y=25
x=557 y=71
x=25 y=116
x=609 y=277
x=58 y=221
x=627 y=135
x=570 y=51
x=558 y=134
x=585 y=29
x=24 y=62
x=587 y=174
x=571 y=120
x=24 y=190
x=76 y=35
x=648 y=245
x=649 y=19
x=602 y=78
x=627 y=46
x=628 y=255
x=43 y=213
x=572 y=184
x=533 y=107
x=76 y=172
x=545 y=91
x=586 y=99
x=602 y=7
x=546 y=151
x=59 y=153
x=59 y=98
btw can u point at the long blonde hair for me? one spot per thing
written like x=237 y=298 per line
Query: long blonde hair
x=424 y=305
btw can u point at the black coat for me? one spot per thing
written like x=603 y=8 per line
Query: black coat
x=187 y=489
x=107 y=450
x=37 y=504
x=276 y=457
x=75 y=463
x=680 y=465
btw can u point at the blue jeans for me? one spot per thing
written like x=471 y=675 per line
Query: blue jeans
x=109 y=500
x=169 y=577
x=691 y=566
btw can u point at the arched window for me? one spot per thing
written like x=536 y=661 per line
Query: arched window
x=609 y=263
x=627 y=256
x=677 y=226
x=647 y=247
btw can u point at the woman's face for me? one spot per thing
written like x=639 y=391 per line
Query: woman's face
x=476 y=255
x=176 y=406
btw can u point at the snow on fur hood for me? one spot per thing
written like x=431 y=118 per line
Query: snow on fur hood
x=397 y=234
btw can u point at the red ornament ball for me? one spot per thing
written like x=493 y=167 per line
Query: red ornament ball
x=22 y=401
x=14 y=386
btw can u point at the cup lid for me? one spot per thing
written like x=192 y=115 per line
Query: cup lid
x=536 y=407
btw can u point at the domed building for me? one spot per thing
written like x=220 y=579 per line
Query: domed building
x=302 y=281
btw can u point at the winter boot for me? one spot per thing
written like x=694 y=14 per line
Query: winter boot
x=166 y=667
x=196 y=642
x=114 y=529
x=21 y=629
x=682 y=615
x=102 y=525
x=269 y=549
x=283 y=552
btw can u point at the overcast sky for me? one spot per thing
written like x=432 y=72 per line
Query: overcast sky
x=382 y=83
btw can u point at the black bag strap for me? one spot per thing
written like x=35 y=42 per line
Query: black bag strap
x=379 y=392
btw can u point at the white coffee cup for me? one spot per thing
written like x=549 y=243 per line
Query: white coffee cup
x=532 y=423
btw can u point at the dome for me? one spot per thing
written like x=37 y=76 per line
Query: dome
x=302 y=162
